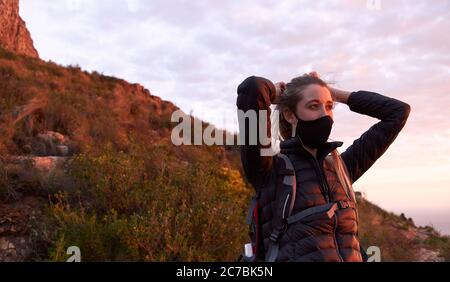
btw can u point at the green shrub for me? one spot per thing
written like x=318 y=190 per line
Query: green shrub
x=123 y=211
x=440 y=243
x=99 y=237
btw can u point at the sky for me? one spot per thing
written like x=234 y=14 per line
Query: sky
x=195 y=53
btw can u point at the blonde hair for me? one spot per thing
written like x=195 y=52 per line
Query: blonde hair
x=336 y=161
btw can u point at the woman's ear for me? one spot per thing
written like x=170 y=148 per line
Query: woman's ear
x=290 y=117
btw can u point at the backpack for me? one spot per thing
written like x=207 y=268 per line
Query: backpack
x=283 y=190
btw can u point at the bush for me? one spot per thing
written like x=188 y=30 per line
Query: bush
x=99 y=238
x=61 y=113
x=440 y=243
x=123 y=211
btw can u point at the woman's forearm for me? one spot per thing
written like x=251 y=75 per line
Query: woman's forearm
x=372 y=144
x=255 y=94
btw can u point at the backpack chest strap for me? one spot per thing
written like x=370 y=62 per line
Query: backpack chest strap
x=329 y=209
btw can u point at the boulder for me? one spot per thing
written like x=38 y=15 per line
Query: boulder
x=49 y=143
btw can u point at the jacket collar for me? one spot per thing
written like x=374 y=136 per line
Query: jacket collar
x=295 y=146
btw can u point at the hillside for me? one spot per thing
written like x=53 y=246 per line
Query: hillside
x=398 y=237
x=92 y=156
x=86 y=160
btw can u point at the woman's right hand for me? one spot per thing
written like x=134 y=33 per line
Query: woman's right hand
x=280 y=87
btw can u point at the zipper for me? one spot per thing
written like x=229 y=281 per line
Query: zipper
x=323 y=182
x=324 y=187
x=334 y=237
x=327 y=198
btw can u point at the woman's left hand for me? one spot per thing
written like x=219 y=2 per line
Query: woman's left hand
x=340 y=96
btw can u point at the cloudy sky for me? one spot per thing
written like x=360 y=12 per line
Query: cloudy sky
x=195 y=53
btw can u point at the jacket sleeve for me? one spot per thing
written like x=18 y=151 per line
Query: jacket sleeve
x=255 y=93
x=364 y=151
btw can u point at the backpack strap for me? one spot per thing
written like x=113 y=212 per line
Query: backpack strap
x=251 y=209
x=290 y=181
x=286 y=188
x=329 y=209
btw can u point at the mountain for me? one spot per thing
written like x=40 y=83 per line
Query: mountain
x=14 y=35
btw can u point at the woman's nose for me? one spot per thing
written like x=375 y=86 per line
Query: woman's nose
x=325 y=112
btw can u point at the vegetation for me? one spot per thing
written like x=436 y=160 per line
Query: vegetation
x=128 y=208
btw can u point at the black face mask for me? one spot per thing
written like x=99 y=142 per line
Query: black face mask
x=314 y=133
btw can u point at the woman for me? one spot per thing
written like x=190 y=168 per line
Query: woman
x=323 y=175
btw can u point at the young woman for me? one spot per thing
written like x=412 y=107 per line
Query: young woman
x=323 y=176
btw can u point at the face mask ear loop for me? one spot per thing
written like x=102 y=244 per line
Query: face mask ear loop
x=294 y=130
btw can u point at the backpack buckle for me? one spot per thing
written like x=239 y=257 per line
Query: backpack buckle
x=274 y=236
x=343 y=204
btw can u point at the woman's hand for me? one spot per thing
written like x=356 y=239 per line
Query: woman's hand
x=338 y=95
x=280 y=87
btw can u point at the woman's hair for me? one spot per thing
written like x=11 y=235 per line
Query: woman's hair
x=290 y=97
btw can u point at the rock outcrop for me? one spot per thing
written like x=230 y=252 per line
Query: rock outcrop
x=49 y=143
x=14 y=35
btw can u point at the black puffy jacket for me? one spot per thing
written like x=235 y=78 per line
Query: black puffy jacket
x=318 y=238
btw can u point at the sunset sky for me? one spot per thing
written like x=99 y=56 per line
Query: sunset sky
x=195 y=53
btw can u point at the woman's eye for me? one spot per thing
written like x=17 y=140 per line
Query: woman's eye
x=316 y=106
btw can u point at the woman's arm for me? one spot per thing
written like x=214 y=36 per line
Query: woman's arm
x=256 y=93
x=364 y=151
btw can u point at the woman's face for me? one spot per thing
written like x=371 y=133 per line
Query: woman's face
x=317 y=102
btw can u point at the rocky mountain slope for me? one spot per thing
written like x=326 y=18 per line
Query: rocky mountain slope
x=14 y=35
